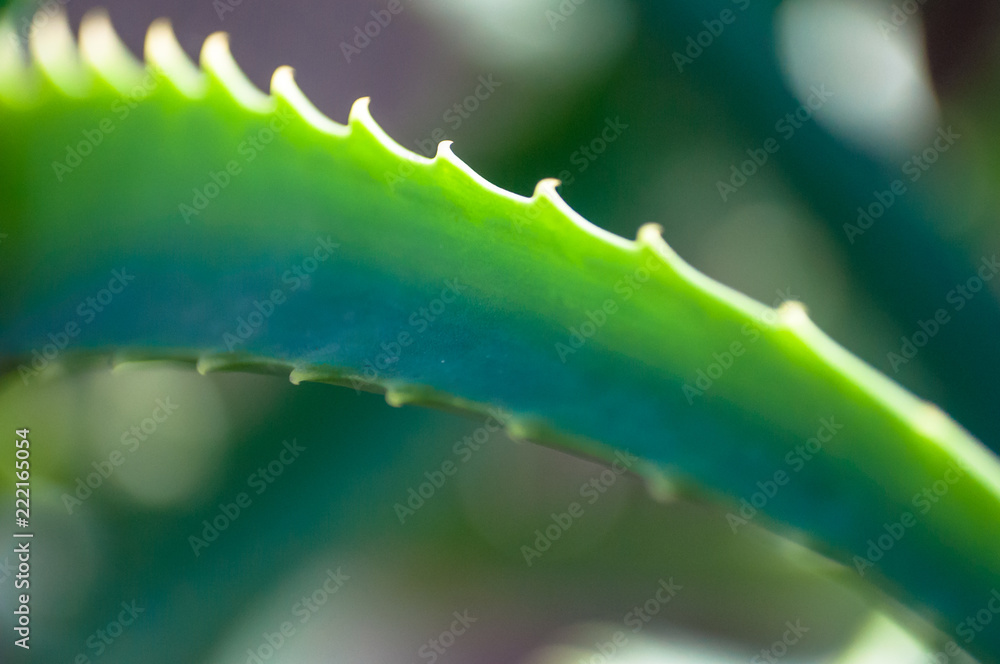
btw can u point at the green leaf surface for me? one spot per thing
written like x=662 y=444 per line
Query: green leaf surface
x=172 y=212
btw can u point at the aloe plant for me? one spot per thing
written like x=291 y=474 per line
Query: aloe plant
x=835 y=180
x=171 y=211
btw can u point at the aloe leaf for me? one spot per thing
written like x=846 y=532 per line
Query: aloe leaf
x=891 y=257
x=178 y=212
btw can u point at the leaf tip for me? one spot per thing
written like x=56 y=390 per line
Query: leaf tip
x=547 y=188
x=361 y=119
x=398 y=397
x=286 y=90
x=446 y=154
x=794 y=316
x=931 y=421
x=215 y=44
x=102 y=49
x=164 y=52
x=218 y=62
x=207 y=364
x=523 y=429
x=297 y=376
x=444 y=150
x=651 y=235
x=313 y=374
x=660 y=485
x=361 y=112
x=53 y=48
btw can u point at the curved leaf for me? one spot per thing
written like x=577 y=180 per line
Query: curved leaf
x=180 y=213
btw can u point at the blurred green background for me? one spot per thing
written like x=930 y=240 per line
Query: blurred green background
x=699 y=93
